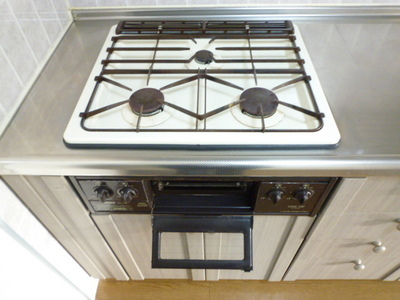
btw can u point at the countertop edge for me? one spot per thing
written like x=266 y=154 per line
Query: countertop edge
x=362 y=166
x=238 y=12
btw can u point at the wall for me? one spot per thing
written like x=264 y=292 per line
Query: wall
x=29 y=30
x=32 y=259
x=102 y=3
x=26 y=271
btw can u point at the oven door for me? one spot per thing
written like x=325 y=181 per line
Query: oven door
x=168 y=231
x=195 y=212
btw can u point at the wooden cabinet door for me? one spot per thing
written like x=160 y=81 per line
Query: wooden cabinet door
x=130 y=237
x=275 y=242
x=337 y=260
x=362 y=211
x=377 y=195
x=335 y=268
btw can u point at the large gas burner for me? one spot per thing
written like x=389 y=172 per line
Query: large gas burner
x=259 y=102
x=203 y=83
x=146 y=101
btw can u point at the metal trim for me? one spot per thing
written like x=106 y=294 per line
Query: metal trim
x=238 y=13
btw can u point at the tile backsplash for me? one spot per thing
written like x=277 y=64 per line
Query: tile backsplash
x=29 y=30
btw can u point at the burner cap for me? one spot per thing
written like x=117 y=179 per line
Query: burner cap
x=149 y=98
x=204 y=57
x=256 y=97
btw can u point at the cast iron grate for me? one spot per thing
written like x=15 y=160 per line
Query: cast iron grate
x=213 y=31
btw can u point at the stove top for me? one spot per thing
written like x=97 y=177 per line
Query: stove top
x=180 y=83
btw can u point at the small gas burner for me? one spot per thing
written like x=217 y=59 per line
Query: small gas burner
x=204 y=57
x=146 y=101
x=203 y=83
x=259 y=102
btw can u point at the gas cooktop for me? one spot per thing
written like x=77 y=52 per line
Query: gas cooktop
x=178 y=83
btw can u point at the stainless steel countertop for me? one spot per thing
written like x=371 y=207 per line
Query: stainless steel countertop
x=358 y=63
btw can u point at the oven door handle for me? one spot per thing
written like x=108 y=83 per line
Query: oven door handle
x=214 y=224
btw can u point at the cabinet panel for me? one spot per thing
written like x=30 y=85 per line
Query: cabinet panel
x=377 y=195
x=369 y=226
x=269 y=233
x=346 y=232
x=130 y=236
x=334 y=268
x=275 y=242
x=352 y=249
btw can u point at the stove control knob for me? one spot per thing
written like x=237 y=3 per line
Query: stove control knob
x=128 y=194
x=103 y=192
x=275 y=195
x=302 y=195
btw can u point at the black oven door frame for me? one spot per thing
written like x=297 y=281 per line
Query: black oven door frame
x=204 y=224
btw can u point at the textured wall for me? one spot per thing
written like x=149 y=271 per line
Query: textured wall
x=28 y=31
x=102 y=3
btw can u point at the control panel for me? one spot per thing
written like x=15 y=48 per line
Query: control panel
x=115 y=195
x=292 y=197
x=301 y=196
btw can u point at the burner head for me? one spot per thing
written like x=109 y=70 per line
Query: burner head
x=204 y=57
x=257 y=98
x=149 y=98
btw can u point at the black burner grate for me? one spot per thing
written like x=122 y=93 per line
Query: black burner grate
x=204 y=28
x=212 y=30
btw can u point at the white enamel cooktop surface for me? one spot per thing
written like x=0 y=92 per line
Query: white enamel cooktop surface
x=286 y=127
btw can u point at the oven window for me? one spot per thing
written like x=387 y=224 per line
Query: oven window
x=203 y=246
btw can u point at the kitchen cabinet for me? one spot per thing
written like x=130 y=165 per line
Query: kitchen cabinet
x=275 y=242
x=363 y=214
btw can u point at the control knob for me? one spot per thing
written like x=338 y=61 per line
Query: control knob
x=103 y=192
x=127 y=194
x=276 y=195
x=302 y=195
